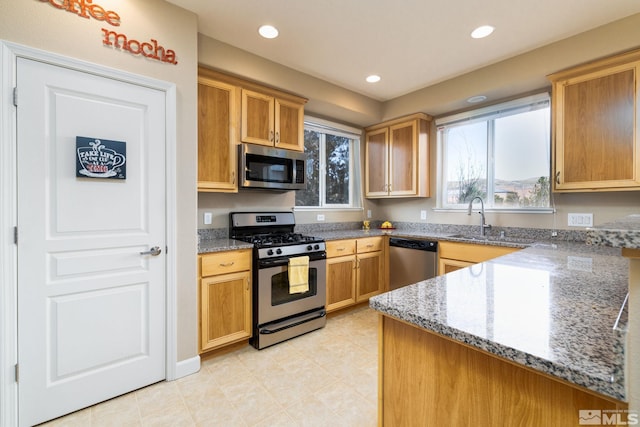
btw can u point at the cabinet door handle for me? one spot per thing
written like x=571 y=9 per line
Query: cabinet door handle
x=558 y=177
x=277 y=137
x=227 y=264
x=340 y=249
x=233 y=177
x=271 y=135
x=370 y=245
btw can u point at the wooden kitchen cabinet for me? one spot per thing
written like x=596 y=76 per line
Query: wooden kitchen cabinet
x=218 y=104
x=397 y=158
x=273 y=119
x=341 y=274
x=369 y=268
x=224 y=298
x=596 y=125
x=355 y=271
x=454 y=256
x=427 y=379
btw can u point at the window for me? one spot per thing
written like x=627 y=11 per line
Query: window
x=500 y=153
x=332 y=166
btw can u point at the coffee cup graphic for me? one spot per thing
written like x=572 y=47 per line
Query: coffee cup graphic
x=96 y=160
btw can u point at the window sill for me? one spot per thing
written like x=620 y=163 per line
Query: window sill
x=495 y=210
x=326 y=208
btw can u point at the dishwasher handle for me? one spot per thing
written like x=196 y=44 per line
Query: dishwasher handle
x=419 y=245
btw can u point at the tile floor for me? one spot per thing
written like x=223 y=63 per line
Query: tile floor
x=325 y=378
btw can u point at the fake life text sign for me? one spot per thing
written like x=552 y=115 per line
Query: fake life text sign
x=100 y=158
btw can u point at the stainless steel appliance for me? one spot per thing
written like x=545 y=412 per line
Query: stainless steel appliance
x=278 y=313
x=411 y=261
x=271 y=168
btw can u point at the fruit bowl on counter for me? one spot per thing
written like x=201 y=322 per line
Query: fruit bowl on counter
x=387 y=225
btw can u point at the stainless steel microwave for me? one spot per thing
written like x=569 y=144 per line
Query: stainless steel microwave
x=271 y=168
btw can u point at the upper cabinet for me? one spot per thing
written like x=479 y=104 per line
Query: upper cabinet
x=397 y=158
x=595 y=125
x=232 y=111
x=217 y=134
x=272 y=119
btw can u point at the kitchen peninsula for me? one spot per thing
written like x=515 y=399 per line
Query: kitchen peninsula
x=528 y=339
x=625 y=233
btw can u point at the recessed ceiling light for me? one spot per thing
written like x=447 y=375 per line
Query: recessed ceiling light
x=373 y=78
x=268 y=31
x=477 y=98
x=482 y=31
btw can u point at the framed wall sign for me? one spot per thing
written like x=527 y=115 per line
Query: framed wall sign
x=100 y=158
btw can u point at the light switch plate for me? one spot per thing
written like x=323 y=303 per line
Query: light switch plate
x=580 y=220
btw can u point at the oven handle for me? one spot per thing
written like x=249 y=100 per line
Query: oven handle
x=276 y=262
x=319 y=315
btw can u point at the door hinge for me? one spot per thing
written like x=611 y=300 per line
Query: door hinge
x=17 y=372
x=15 y=235
x=15 y=96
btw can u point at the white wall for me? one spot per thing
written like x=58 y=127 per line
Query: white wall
x=40 y=25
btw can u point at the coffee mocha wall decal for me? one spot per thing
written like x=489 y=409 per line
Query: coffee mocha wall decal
x=89 y=10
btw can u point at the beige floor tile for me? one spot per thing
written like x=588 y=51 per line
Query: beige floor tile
x=311 y=412
x=121 y=411
x=328 y=377
x=280 y=419
x=80 y=418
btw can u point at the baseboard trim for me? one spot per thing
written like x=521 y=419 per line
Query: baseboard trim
x=187 y=367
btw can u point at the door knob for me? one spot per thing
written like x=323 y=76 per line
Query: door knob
x=154 y=251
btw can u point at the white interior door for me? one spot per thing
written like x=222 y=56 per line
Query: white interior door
x=91 y=307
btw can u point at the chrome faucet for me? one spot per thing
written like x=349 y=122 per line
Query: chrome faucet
x=483 y=225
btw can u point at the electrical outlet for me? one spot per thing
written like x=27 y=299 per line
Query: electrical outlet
x=320 y=217
x=368 y=213
x=580 y=220
x=423 y=215
x=208 y=218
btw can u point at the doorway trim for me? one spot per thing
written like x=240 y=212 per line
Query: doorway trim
x=9 y=52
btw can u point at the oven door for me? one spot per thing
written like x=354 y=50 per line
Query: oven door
x=273 y=297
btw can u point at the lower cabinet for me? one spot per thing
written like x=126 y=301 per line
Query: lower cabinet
x=454 y=256
x=355 y=271
x=224 y=298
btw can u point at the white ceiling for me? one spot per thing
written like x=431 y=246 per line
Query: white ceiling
x=411 y=44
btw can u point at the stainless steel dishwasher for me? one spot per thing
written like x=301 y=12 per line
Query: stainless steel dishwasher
x=411 y=261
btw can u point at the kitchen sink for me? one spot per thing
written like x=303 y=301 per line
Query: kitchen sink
x=505 y=239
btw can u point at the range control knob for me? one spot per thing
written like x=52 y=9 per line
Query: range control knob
x=270 y=252
x=278 y=251
x=309 y=248
x=316 y=247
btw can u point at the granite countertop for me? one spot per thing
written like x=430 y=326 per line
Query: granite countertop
x=554 y=308
x=623 y=233
x=219 y=245
x=226 y=244
x=211 y=240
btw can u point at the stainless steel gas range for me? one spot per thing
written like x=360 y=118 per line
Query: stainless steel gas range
x=289 y=276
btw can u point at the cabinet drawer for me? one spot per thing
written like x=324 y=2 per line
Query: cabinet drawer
x=340 y=248
x=225 y=262
x=369 y=244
